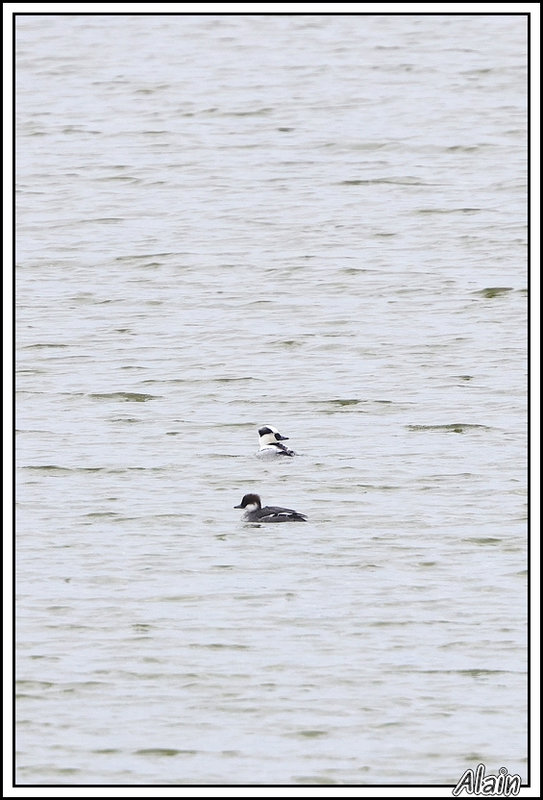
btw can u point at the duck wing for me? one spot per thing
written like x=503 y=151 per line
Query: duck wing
x=278 y=514
x=284 y=451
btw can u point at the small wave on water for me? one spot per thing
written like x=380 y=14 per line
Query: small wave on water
x=407 y=180
x=128 y=397
x=493 y=291
x=55 y=468
x=452 y=427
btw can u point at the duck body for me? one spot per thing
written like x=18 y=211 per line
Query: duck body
x=271 y=443
x=255 y=513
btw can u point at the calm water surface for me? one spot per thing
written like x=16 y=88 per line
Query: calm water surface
x=313 y=222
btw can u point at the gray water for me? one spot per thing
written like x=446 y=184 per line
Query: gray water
x=314 y=222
